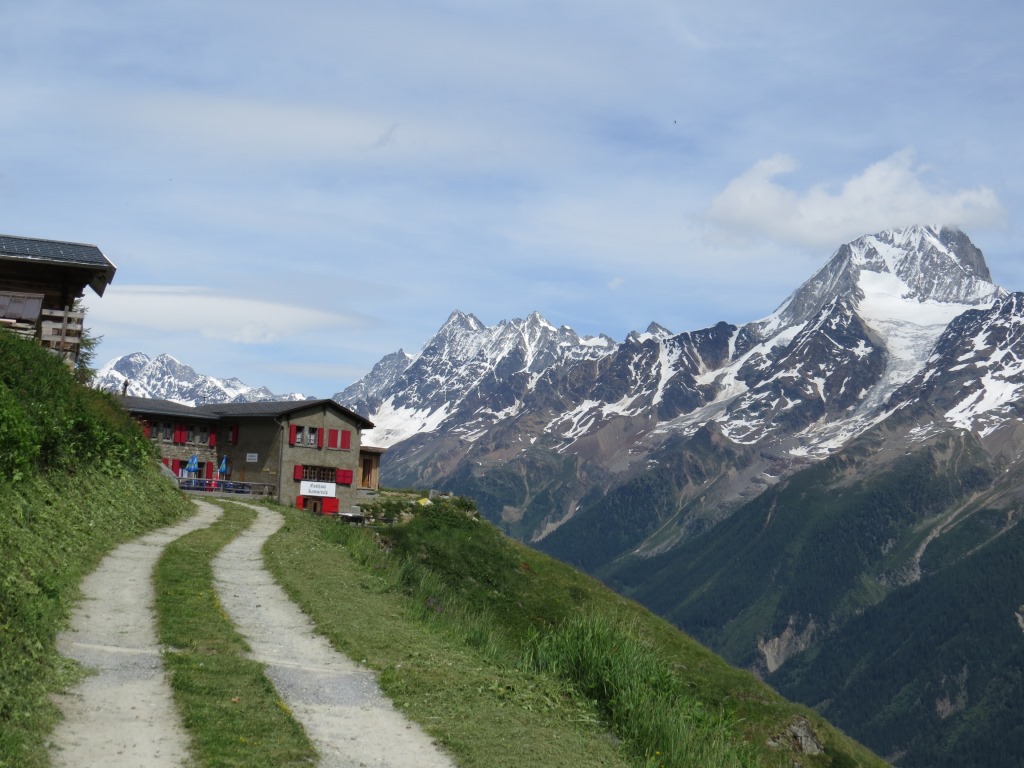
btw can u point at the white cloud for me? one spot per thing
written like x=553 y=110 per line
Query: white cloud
x=892 y=192
x=190 y=310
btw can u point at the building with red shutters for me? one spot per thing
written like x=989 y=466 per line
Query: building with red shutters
x=306 y=453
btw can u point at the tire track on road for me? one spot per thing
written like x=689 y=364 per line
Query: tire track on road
x=351 y=723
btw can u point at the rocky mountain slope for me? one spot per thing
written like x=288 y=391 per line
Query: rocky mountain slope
x=572 y=416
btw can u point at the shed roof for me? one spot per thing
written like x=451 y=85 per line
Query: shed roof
x=73 y=255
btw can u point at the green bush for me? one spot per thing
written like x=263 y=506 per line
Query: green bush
x=50 y=422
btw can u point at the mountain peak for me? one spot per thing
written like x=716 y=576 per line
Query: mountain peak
x=459 y=320
x=918 y=264
x=933 y=263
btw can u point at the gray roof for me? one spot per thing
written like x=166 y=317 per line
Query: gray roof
x=216 y=411
x=155 y=407
x=281 y=408
x=74 y=255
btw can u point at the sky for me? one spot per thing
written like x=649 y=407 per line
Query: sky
x=291 y=191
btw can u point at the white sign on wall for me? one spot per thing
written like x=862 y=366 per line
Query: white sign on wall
x=252 y=458
x=311 y=488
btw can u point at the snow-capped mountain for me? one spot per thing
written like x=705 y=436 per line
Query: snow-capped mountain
x=800 y=383
x=468 y=376
x=166 y=378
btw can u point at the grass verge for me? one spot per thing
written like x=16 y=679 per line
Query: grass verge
x=230 y=709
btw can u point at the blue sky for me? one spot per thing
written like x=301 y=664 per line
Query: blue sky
x=292 y=191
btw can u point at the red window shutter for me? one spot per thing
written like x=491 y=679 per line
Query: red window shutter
x=166 y=461
x=233 y=434
x=332 y=438
x=297 y=472
x=175 y=466
x=209 y=470
x=300 y=502
x=346 y=439
x=343 y=476
x=330 y=506
x=291 y=434
x=147 y=428
x=320 y=437
x=213 y=439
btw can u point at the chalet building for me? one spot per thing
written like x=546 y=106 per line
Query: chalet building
x=39 y=283
x=305 y=453
x=179 y=432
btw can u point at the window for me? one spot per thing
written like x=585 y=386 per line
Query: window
x=310 y=435
x=168 y=431
x=190 y=433
x=204 y=435
x=319 y=474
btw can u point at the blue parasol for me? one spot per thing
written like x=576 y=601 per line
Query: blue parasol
x=223 y=468
x=193 y=464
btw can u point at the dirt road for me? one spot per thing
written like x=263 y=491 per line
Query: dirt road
x=124 y=716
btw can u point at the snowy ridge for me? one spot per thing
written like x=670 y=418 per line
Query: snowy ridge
x=813 y=374
x=475 y=372
x=166 y=378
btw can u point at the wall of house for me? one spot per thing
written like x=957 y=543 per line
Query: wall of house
x=268 y=450
x=178 y=439
x=325 y=445
x=253 y=448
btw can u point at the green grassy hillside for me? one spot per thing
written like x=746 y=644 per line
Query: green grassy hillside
x=76 y=478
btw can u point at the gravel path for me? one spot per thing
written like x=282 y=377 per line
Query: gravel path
x=123 y=716
x=337 y=702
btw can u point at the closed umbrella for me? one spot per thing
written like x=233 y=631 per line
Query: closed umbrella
x=192 y=467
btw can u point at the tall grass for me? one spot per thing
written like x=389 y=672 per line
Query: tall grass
x=642 y=699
